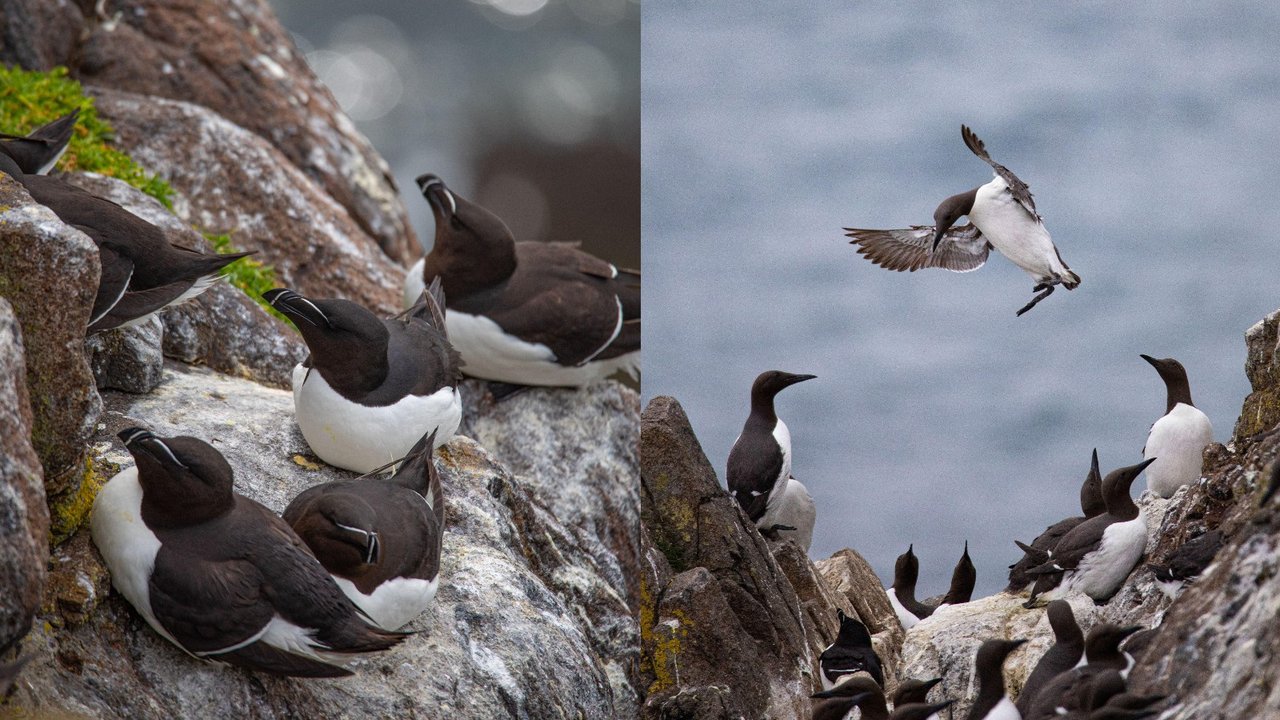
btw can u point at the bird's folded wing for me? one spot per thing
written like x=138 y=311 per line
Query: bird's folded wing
x=962 y=248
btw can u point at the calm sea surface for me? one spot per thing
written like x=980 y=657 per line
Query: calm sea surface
x=1150 y=135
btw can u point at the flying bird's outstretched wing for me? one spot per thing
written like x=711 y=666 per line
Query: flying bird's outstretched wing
x=1019 y=189
x=962 y=249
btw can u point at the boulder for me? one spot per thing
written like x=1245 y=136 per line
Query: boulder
x=1261 y=409
x=50 y=277
x=38 y=34
x=501 y=640
x=24 y=519
x=127 y=358
x=850 y=576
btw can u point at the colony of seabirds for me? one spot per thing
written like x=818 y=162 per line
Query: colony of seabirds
x=1082 y=676
x=353 y=561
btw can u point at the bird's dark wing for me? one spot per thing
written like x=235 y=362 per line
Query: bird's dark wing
x=1073 y=546
x=962 y=248
x=1017 y=188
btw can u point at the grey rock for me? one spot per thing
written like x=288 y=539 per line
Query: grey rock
x=38 y=34
x=128 y=358
x=850 y=576
x=501 y=640
x=1261 y=409
x=24 y=519
x=50 y=277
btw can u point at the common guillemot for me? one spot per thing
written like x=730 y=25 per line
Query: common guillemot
x=142 y=273
x=1091 y=505
x=37 y=152
x=902 y=593
x=759 y=466
x=1102 y=654
x=919 y=711
x=1187 y=562
x=963 y=579
x=859 y=691
x=1098 y=554
x=1179 y=437
x=527 y=313
x=992 y=703
x=913 y=691
x=1064 y=654
x=380 y=538
x=1002 y=214
x=372 y=387
x=217 y=574
x=850 y=653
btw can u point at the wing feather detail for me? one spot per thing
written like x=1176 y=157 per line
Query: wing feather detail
x=963 y=249
x=1017 y=188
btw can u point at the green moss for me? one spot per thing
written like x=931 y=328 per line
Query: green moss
x=68 y=513
x=251 y=276
x=31 y=99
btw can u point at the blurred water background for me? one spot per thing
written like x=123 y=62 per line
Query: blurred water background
x=1149 y=135
x=529 y=107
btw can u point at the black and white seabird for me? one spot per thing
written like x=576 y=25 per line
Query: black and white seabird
x=963 y=579
x=380 y=538
x=1098 y=554
x=759 y=468
x=372 y=388
x=913 y=691
x=527 y=313
x=850 y=653
x=919 y=711
x=37 y=152
x=142 y=273
x=217 y=574
x=992 y=703
x=859 y=691
x=1002 y=214
x=1102 y=654
x=1091 y=505
x=1187 y=562
x=902 y=594
x=1179 y=437
x=1063 y=655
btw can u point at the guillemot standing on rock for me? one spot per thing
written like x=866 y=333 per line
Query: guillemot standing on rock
x=919 y=711
x=1002 y=214
x=372 y=387
x=142 y=272
x=992 y=703
x=527 y=313
x=902 y=594
x=1102 y=653
x=759 y=467
x=37 y=152
x=1187 y=562
x=963 y=579
x=1098 y=554
x=1179 y=437
x=850 y=653
x=217 y=574
x=913 y=691
x=1064 y=654
x=858 y=691
x=1091 y=505
x=379 y=537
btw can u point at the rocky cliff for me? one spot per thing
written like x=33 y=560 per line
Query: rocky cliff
x=732 y=624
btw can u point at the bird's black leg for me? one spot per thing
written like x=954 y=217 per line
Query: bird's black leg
x=1047 y=292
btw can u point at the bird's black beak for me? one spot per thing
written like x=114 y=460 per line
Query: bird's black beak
x=437 y=195
x=296 y=307
x=372 y=549
x=937 y=237
x=139 y=440
x=790 y=380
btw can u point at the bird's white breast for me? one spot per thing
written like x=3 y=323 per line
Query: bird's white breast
x=905 y=616
x=1102 y=571
x=792 y=506
x=360 y=438
x=1177 y=441
x=395 y=602
x=413 y=283
x=492 y=354
x=1012 y=231
x=1004 y=710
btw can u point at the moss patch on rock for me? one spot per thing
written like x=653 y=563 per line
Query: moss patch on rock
x=68 y=513
x=253 y=277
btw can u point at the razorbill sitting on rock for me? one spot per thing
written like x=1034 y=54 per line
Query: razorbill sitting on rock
x=902 y=593
x=759 y=468
x=1098 y=554
x=1179 y=437
x=1091 y=505
x=1064 y=654
x=37 y=152
x=1002 y=214
x=379 y=537
x=371 y=387
x=142 y=273
x=850 y=653
x=992 y=703
x=217 y=574
x=526 y=313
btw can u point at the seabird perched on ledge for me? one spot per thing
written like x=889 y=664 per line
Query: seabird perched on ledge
x=1179 y=437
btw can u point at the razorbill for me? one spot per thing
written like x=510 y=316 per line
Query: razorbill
x=1098 y=554
x=992 y=703
x=142 y=273
x=913 y=691
x=850 y=653
x=858 y=691
x=1187 y=562
x=1091 y=505
x=1102 y=653
x=372 y=388
x=1064 y=654
x=379 y=537
x=759 y=467
x=218 y=574
x=1002 y=214
x=37 y=152
x=902 y=593
x=527 y=313
x=1179 y=437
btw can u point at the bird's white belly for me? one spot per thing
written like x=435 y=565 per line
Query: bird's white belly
x=1013 y=232
x=393 y=603
x=127 y=545
x=1104 y=570
x=492 y=354
x=413 y=283
x=360 y=438
x=793 y=506
x=1004 y=710
x=1177 y=441
x=905 y=616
